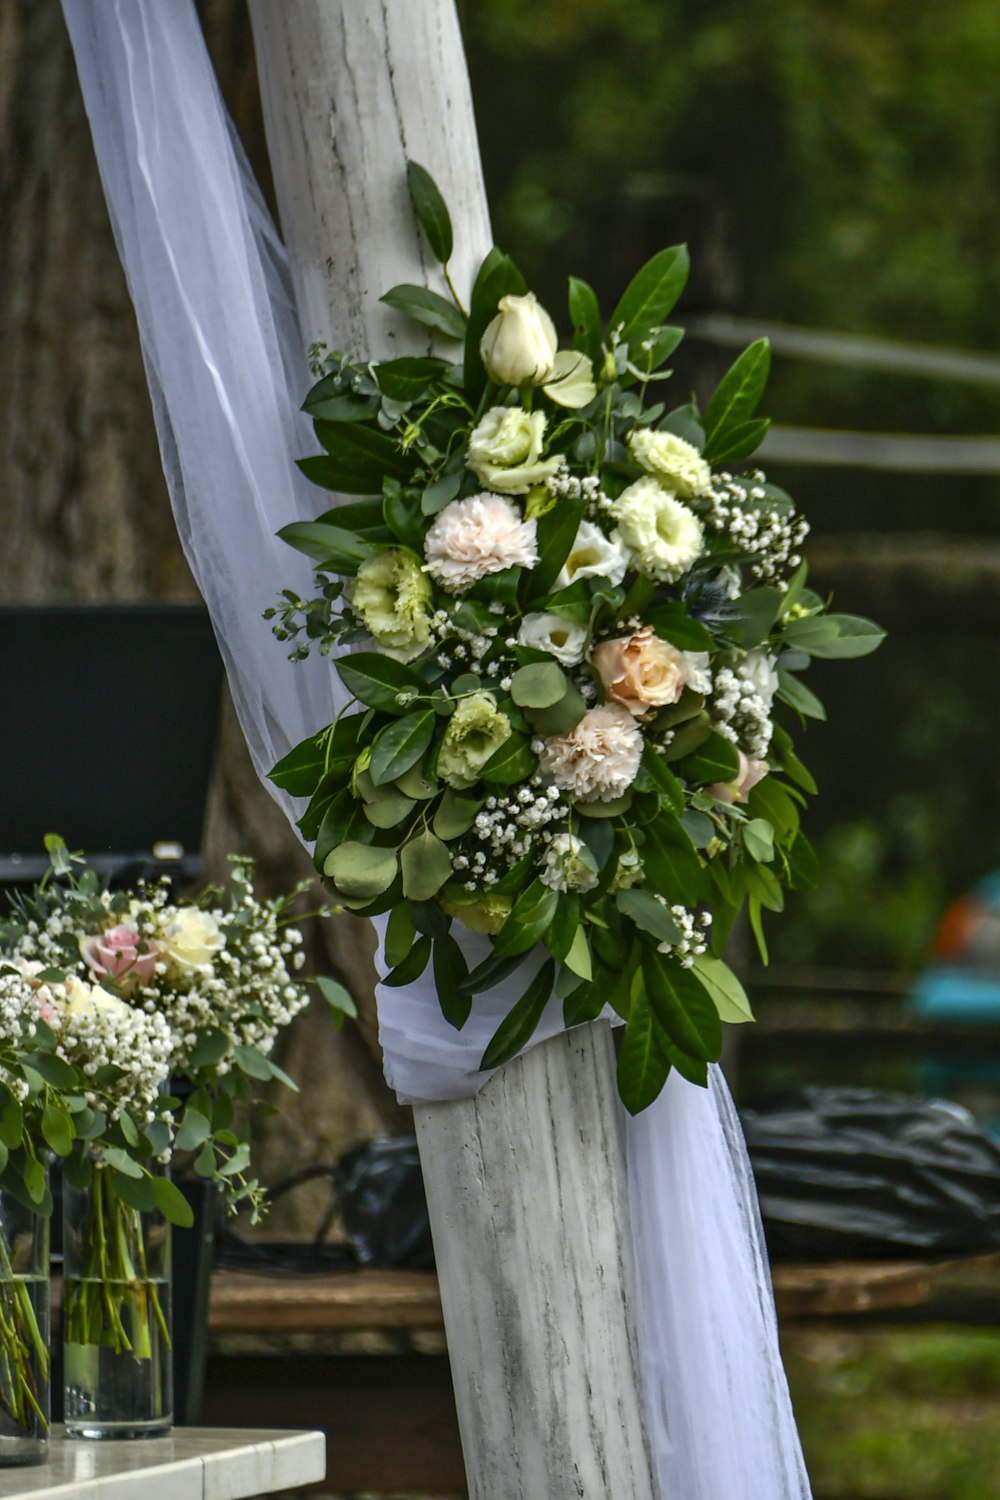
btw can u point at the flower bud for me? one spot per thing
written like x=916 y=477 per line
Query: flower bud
x=519 y=346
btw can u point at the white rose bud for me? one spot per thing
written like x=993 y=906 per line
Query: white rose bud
x=519 y=346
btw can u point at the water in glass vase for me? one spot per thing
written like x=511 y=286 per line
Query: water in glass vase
x=24 y=1370
x=120 y=1385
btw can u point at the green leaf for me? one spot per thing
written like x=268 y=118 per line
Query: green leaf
x=77 y=1170
x=415 y=785
x=302 y=769
x=562 y=716
x=427 y=307
x=727 y=994
x=400 y=745
x=538 y=685
x=341 y=407
x=331 y=546
x=672 y=623
x=716 y=760
x=359 y=457
x=810 y=631
x=753 y=615
x=682 y=1006
x=670 y=790
x=252 y=1062
x=685 y=421
x=412 y=966
x=337 y=996
x=530 y=916
x=50 y=1068
x=738 y=441
x=57 y=1127
x=431 y=210
x=379 y=681
x=562 y=929
x=672 y=867
x=757 y=928
x=803 y=866
x=738 y=393
x=359 y=871
x=387 y=807
x=450 y=972
x=650 y=295
x=407 y=378
x=455 y=815
x=426 y=866
x=648 y=914
x=343 y=822
x=758 y=840
x=770 y=800
x=518 y=1026
x=692 y=733
x=513 y=761
x=194 y=1130
x=642 y=1062
x=171 y=1202
x=137 y=1192
x=798 y=696
x=204 y=1162
x=855 y=637
x=210 y=1048
x=578 y=958
x=121 y=1161
x=400 y=934
x=585 y=315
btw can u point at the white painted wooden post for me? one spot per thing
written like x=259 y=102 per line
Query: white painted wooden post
x=526 y=1182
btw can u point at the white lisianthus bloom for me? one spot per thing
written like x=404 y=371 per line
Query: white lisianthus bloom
x=598 y=760
x=666 y=537
x=758 y=668
x=519 y=345
x=505 y=449
x=594 y=555
x=562 y=639
x=190 y=938
x=572 y=382
x=476 y=536
x=699 y=675
x=672 y=460
x=569 y=865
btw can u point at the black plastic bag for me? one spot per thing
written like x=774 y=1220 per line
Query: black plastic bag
x=860 y=1174
x=382 y=1204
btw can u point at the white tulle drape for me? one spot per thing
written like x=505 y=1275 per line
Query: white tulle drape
x=208 y=277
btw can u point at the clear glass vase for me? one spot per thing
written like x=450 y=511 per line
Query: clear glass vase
x=24 y=1332
x=117 y=1364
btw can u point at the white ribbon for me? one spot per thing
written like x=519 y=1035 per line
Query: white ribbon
x=209 y=281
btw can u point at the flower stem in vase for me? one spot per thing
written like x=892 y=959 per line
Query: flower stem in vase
x=24 y=1323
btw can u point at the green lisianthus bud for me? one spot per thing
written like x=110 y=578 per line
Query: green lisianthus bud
x=475 y=730
x=391 y=595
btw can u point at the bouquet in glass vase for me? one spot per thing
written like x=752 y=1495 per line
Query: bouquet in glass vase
x=579 y=621
x=142 y=995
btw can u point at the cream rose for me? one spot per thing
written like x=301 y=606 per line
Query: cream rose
x=640 y=671
x=560 y=638
x=519 y=346
x=505 y=450
x=594 y=555
x=191 y=939
x=672 y=460
x=84 y=999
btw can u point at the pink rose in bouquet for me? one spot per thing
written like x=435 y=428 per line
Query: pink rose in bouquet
x=121 y=955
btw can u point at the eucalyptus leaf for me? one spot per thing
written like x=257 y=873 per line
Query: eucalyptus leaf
x=538 y=685
x=360 y=871
x=426 y=866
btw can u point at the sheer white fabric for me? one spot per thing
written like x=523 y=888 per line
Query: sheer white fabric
x=207 y=274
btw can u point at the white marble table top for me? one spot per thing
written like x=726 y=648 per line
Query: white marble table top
x=190 y=1463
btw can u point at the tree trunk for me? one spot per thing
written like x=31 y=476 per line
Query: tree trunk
x=526 y=1183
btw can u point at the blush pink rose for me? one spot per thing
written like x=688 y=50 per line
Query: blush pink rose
x=640 y=671
x=120 y=955
x=743 y=783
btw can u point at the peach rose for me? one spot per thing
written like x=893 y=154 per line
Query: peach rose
x=640 y=671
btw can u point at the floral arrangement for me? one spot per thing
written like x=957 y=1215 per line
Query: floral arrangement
x=581 y=616
x=108 y=1000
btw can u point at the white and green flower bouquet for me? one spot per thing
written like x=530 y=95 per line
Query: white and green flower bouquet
x=109 y=1001
x=580 y=620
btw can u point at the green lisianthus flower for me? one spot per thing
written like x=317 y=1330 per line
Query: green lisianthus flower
x=475 y=730
x=483 y=913
x=391 y=595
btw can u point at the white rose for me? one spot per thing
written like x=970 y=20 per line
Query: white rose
x=665 y=537
x=572 y=382
x=676 y=463
x=561 y=638
x=519 y=346
x=758 y=668
x=504 y=450
x=594 y=555
x=190 y=938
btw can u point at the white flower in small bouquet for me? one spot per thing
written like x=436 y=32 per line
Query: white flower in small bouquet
x=577 y=614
